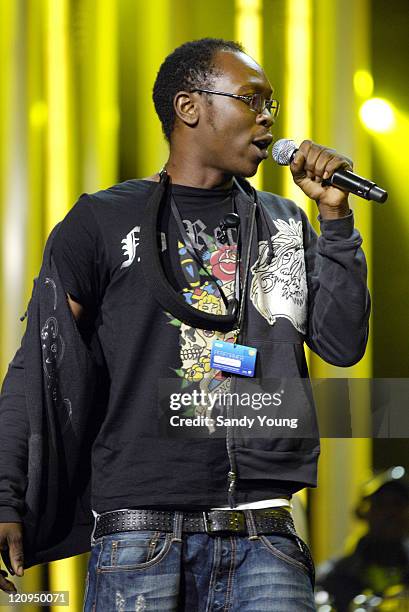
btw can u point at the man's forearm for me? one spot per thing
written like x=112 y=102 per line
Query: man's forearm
x=339 y=302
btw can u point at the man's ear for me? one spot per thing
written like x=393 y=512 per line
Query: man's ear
x=186 y=108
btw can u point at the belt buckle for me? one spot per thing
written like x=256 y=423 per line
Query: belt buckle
x=236 y=521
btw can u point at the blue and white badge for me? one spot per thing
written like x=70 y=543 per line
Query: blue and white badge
x=233 y=358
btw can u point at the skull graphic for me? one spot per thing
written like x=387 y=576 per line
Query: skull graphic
x=193 y=351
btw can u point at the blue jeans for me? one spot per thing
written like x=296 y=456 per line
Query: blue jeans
x=153 y=571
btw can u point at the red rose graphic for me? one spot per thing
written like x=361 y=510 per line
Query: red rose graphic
x=223 y=263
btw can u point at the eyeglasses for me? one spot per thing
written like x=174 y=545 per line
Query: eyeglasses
x=256 y=102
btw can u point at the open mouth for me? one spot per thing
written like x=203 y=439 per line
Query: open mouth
x=262 y=144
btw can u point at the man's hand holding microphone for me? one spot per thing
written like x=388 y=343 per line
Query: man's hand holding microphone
x=325 y=176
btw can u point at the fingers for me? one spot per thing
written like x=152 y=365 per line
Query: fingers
x=15 y=541
x=297 y=166
x=11 y=546
x=317 y=162
x=6 y=585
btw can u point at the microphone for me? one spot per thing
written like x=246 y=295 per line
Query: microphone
x=283 y=153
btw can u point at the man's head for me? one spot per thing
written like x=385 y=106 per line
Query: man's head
x=218 y=130
x=188 y=67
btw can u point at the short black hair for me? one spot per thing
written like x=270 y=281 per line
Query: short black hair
x=187 y=67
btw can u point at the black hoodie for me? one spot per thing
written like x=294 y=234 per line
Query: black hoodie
x=55 y=396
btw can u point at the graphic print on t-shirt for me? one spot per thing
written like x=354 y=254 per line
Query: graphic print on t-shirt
x=201 y=292
x=129 y=246
x=279 y=288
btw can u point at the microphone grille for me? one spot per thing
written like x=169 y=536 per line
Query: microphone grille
x=282 y=151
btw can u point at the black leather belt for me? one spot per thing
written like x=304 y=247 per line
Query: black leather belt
x=266 y=521
x=271 y=520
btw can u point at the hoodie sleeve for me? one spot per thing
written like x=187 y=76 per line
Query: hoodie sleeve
x=338 y=297
x=14 y=432
x=79 y=254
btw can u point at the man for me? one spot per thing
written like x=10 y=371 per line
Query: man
x=150 y=268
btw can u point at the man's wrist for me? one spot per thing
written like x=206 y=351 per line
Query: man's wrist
x=334 y=212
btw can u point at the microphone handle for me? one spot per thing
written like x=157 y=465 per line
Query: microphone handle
x=358 y=185
x=353 y=183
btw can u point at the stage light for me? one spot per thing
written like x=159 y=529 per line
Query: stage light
x=377 y=115
x=398 y=472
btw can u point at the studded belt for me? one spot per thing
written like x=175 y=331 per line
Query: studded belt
x=266 y=521
x=271 y=520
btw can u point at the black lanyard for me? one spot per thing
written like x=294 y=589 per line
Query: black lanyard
x=161 y=288
x=252 y=218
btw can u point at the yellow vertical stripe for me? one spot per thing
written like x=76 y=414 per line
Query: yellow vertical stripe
x=58 y=178
x=107 y=96
x=8 y=26
x=36 y=138
x=98 y=96
x=248 y=31
x=151 y=46
x=298 y=85
x=13 y=204
x=14 y=183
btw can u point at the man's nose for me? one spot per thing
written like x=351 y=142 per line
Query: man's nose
x=265 y=118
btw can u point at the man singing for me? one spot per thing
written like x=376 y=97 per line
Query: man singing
x=168 y=278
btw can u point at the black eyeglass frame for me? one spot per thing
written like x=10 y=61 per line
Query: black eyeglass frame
x=268 y=104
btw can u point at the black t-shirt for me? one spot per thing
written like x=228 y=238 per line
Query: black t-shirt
x=97 y=254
